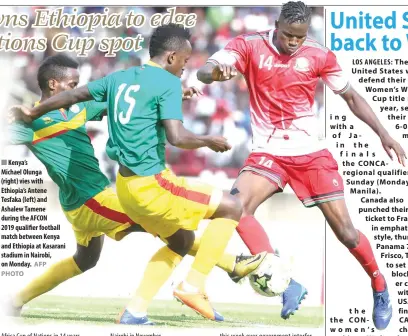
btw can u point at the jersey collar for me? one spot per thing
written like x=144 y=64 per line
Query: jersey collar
x=270 y=39
x=153 y=64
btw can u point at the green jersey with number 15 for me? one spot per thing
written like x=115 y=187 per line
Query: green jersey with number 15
x=138 y=100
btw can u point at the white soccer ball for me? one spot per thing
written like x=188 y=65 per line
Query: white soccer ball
x=272 y=277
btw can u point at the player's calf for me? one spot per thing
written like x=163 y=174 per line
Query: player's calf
x=340 y=222
x=252 y=190
x=212 y=246
x=347 y=234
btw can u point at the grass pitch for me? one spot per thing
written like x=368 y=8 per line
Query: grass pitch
x=103 y=311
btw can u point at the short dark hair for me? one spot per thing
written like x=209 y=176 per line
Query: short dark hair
x=54 y=67
x=295 y=12
x=168 y=37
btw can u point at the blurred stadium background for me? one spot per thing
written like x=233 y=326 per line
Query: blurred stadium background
x=224 y=109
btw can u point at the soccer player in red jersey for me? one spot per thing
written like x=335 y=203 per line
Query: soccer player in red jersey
x=282 y=68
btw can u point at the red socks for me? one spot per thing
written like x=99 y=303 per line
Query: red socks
x=254 y=235
x=365 y=256
x=256 y=239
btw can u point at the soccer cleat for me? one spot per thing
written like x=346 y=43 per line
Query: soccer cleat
x=198 y=302
x=245 y=265
x=382 y=311
x=291 y=298
x=127 y=318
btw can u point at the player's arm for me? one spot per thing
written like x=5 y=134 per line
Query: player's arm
x=19 y=133
x=211 y=72
x=362 y=110
x=95 y=111
x=61 y=100
x=180 y=137
x=189 y=92
x=171 y=116
x=223 y=65
x=95 y=90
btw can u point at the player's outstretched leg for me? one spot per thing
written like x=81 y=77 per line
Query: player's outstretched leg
x=85 y=258
x=252 y=190
x=157 y=272
x=167 y=205
x=339 y=220
x=213 y=242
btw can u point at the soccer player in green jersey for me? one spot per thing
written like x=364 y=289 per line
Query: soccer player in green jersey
x=59 y=138
x=144 y=108
x=60 y=141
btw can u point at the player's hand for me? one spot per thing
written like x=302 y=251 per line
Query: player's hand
x=223 y=72
x=19 y=112
x=189 y=93
x=218 y=144
x=390 y=145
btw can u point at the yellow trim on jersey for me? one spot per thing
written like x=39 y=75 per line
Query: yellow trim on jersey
x=151 y=63
x=50 y=131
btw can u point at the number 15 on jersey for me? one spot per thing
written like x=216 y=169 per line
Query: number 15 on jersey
x=124 y=117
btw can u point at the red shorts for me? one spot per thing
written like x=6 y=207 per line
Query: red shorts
x=313 y=177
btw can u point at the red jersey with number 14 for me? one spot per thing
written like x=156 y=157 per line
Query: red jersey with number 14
x=282 y=90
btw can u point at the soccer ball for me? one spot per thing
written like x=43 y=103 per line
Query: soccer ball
x=272 y=277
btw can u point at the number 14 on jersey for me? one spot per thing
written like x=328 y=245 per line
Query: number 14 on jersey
x=265 y=63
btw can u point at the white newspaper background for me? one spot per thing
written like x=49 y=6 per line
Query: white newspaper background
x=340 y=296
x=375 y=187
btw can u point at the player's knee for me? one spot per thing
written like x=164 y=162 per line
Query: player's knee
x=248 y=208
x=230 y=207
x=181 y=242
x=85 y=262
x=92 y=263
